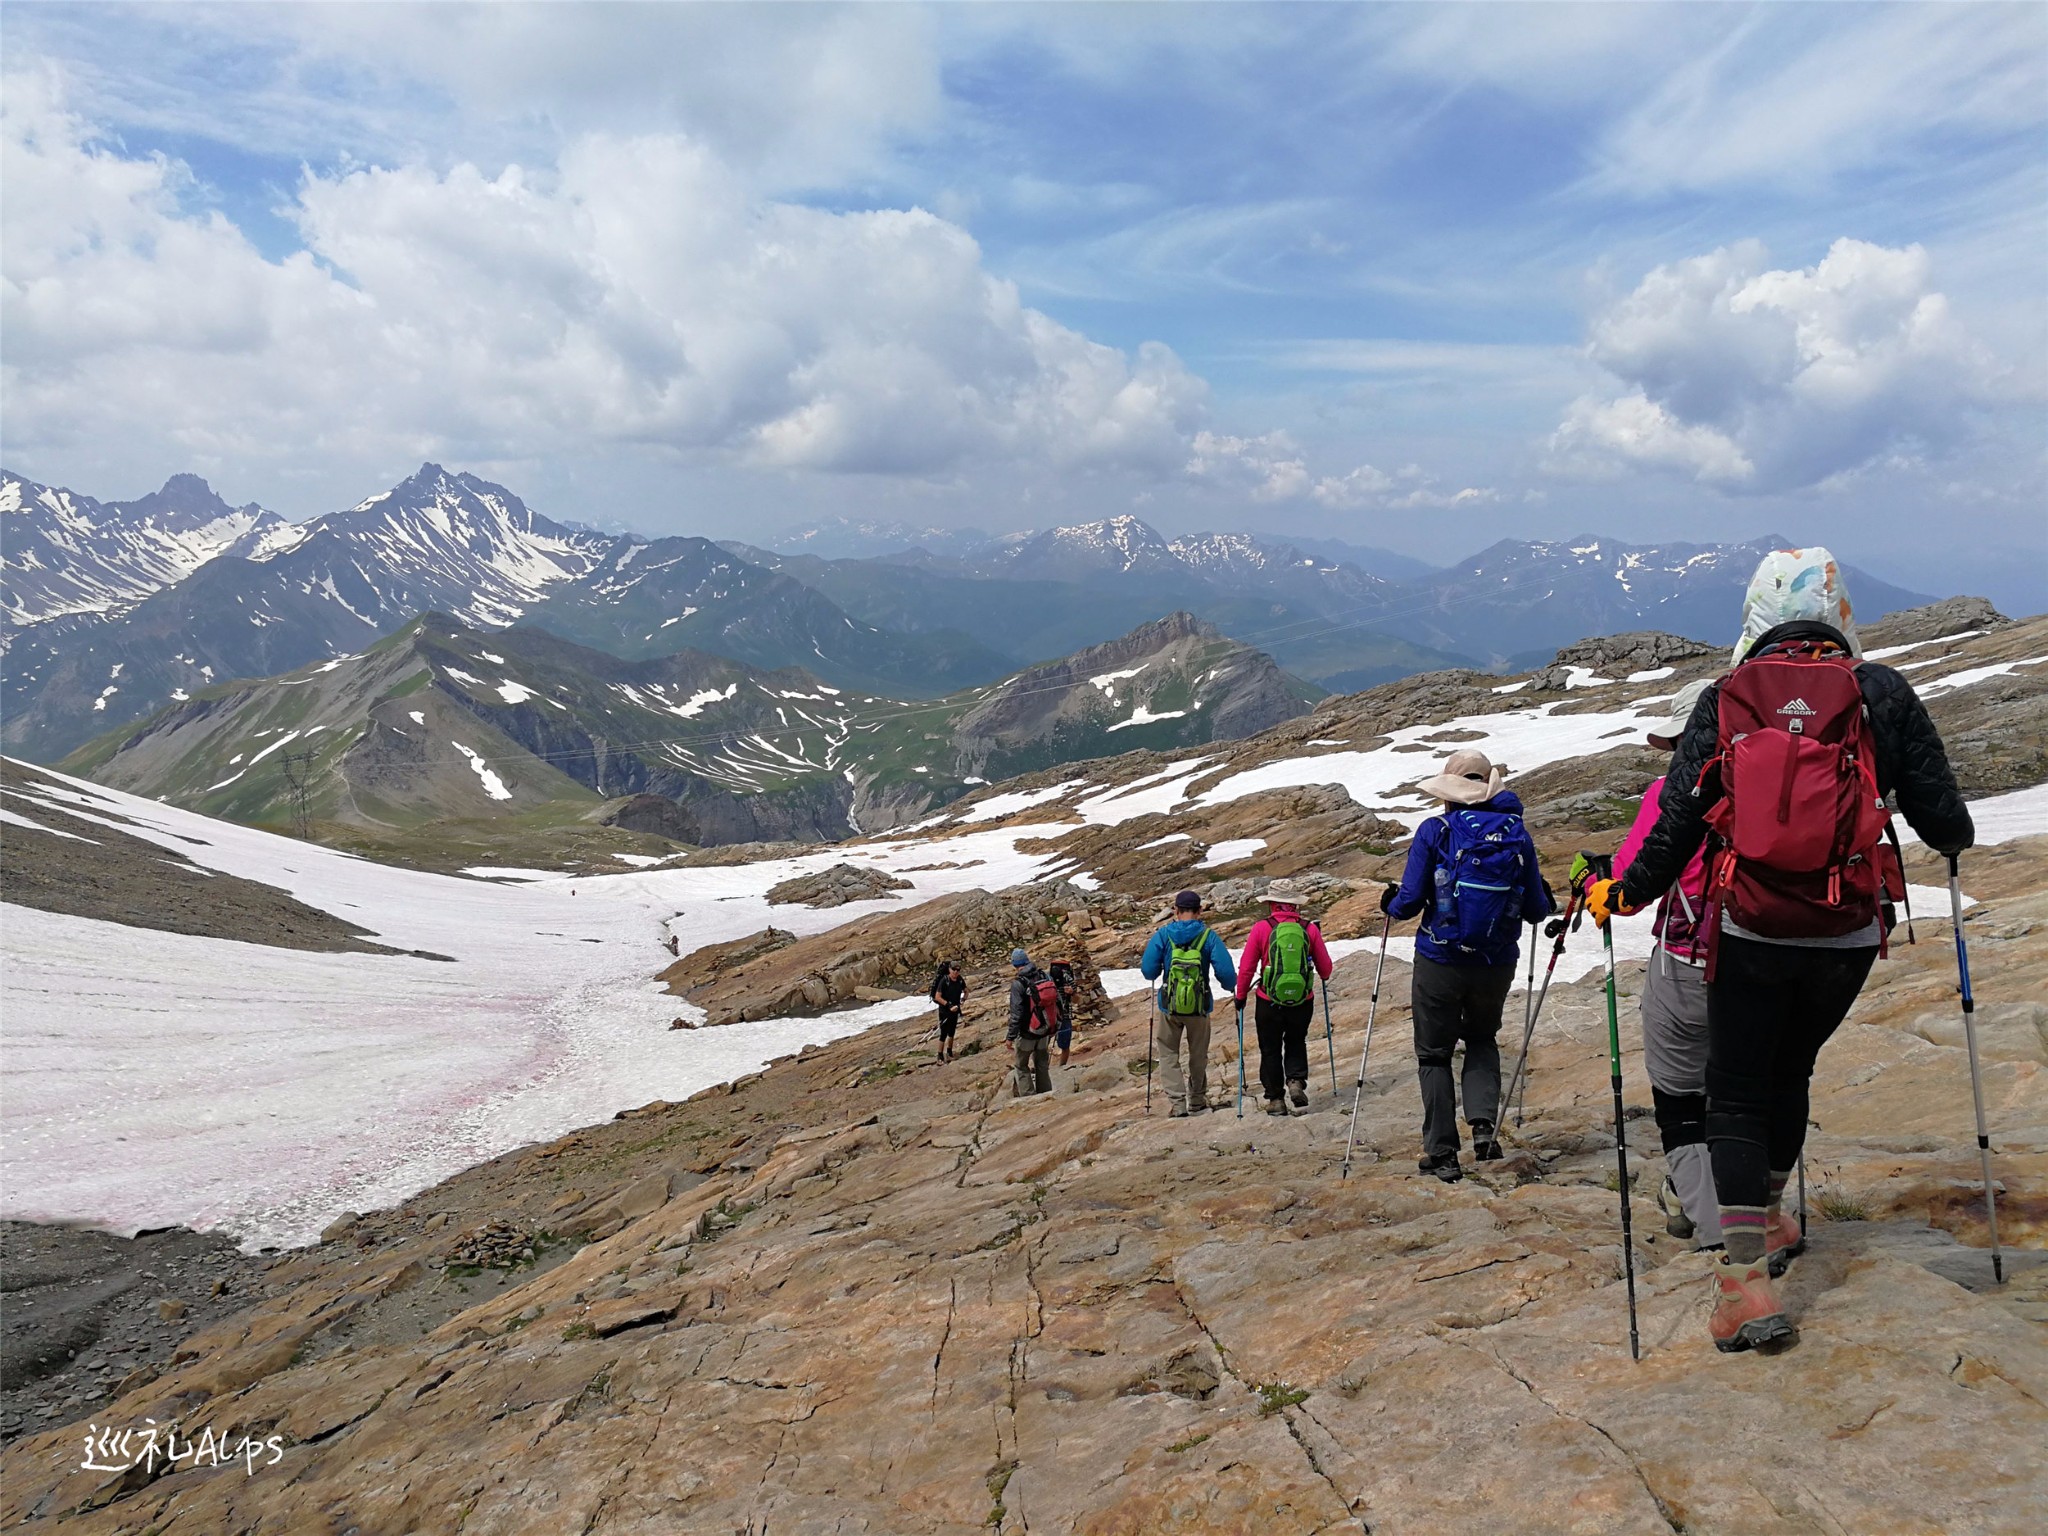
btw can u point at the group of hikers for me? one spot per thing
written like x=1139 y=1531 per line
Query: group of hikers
x=1762 y=850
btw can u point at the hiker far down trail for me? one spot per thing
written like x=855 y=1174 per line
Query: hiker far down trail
x=1779 y=783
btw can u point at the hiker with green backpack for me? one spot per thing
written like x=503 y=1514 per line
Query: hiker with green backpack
x=1285 y=952
x=1181 y=956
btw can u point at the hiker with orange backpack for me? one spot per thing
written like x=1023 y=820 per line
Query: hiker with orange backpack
x=1782 y=772
x=1034 y=1020
x=1472 y=874
x=1285 y=953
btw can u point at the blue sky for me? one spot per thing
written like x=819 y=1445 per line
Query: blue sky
x=1419 y=276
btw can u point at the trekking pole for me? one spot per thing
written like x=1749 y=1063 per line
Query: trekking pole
x=1372 y=1012
x=1628 y=1241
x=1955 y=902
x=1558 y=928
x=1802 y=1191
x=1240 y=1061
x=1151 y=1022
x=1330 y=1036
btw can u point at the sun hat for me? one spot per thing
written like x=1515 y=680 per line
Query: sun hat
x=1285 y=893
x=1665 y=733
x=1468 y=778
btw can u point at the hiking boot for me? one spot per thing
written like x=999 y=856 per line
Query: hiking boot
x=1176 y=1111
x=1783 y=1240
x=1276 y=1106
x=1445 y=1167
x=1485 y=1146
x=1676 y=1222
x=1198 y=1109
x=1298 y=1092
x=1746 y=1314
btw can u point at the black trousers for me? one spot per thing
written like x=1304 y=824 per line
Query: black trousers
x=1283 y=1043
x=1454 y=1005
x=1770 y=1008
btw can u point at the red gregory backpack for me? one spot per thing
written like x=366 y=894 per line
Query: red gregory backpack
x=1042 y=1007
x=1799 y=824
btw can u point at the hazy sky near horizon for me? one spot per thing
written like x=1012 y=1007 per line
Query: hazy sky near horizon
x=1421 y=275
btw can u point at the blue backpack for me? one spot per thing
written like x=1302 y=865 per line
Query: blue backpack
x=1479 y=884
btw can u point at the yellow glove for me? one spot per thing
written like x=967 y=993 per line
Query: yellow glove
x=1604 y=900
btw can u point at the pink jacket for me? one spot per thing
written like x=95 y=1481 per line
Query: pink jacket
x=1255 y=950
x=1672 y=924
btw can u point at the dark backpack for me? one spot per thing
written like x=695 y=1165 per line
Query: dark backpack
x=1041 y=1007
x=1799 y=824
x=1063 y=978
x=1285 y=976
x=1480 y=883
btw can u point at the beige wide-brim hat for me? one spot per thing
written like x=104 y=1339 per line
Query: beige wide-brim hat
x=1468 y=778
x=1665 y=733
x=1285 y=893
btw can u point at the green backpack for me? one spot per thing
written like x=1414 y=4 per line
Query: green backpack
x=1185 y=992
x=1285 y=977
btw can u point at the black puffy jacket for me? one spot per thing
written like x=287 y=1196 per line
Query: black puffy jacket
x=1911 y=762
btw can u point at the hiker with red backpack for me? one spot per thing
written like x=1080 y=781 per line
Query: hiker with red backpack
x=1782 y=773
x=1285 y=952
x=1034 y=1020
x=1472 y=873
x=1181 y=956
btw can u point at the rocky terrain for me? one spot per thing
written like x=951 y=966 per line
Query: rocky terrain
x=836 y=886
x=868 y=1292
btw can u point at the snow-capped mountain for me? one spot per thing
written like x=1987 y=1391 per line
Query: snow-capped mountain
x=65 y=553
x=1520 y=600
x=1118 y=546
x=839 y=538
x=442 y=542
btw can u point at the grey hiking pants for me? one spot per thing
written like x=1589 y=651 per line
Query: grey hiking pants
x=1675 y=1054
x=1034 y=1065
x=1193 y=1087
x=1453 y=1005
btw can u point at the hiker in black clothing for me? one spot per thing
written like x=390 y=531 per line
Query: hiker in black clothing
x=948 y=988
x=1033 y=1019
x=1791 y=939
x=1472 y=876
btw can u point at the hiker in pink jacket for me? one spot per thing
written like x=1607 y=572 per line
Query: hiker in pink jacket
x=1284 y=952
x=1675 y=1016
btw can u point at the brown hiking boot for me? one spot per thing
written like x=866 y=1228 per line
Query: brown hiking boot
x=1746 y=1314
x=1784 y=1241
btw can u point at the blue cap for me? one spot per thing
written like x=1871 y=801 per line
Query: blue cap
x=1019 y=959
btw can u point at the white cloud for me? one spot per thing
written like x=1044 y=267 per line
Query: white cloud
x=1764 y=379
x=634 y=292
x=1273 y=468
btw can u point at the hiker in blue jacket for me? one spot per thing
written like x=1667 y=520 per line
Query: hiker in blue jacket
x=1181 y=957
x=1472 y=873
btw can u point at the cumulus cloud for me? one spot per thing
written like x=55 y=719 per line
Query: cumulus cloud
x=1759 y=379
x=1272 y=467
x=633 y=291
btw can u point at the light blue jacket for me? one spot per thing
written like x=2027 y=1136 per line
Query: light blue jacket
x=1182 y=930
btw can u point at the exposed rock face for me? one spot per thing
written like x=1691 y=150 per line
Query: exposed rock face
x=836 y=886
x=1950 y=616
x=1616 y=656
x=903 y=1302
x=895 y=950
x=1176 y=681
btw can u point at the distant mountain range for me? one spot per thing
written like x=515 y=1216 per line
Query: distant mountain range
x=446 y=720
x=115 y=609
